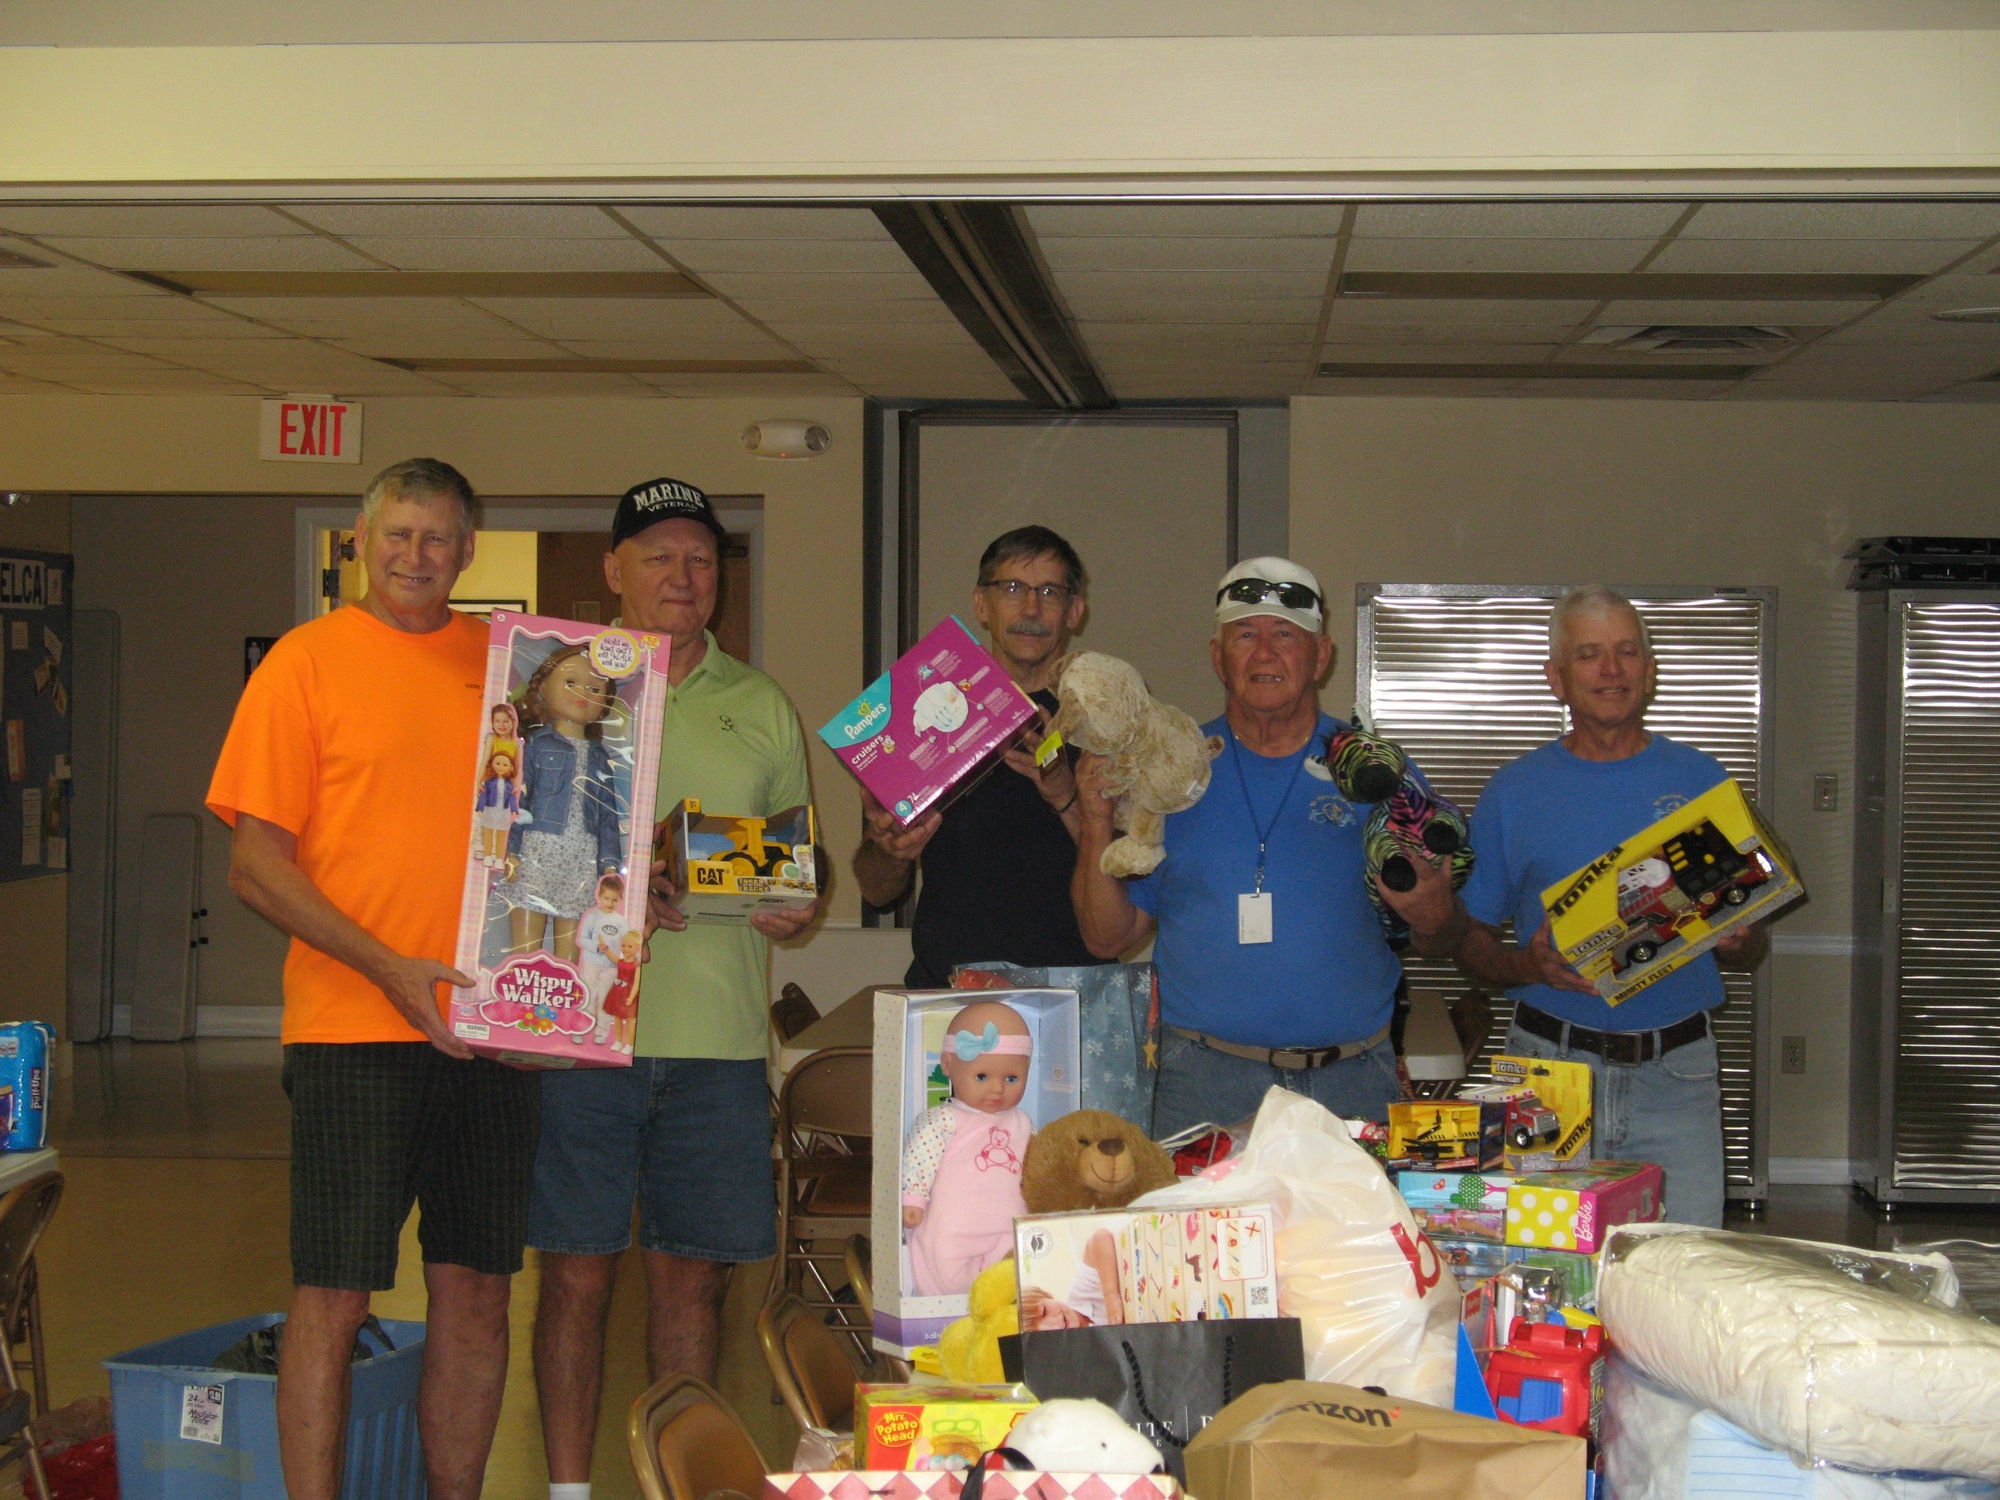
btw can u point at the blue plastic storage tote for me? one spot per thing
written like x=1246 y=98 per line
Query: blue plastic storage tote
x=187 y=1431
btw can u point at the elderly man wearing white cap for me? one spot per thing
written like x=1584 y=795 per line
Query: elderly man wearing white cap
x=1271 y=960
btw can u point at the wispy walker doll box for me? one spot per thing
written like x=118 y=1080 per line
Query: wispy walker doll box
x=962 y=1080
x=930 y=725
x=554 y=911
x=1646 y=906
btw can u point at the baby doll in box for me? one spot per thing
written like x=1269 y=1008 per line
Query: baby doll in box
x=962 y=1162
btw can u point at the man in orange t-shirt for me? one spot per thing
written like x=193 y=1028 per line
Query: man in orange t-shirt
x=345 y=778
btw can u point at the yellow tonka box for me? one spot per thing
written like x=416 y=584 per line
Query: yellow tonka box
x=1648 y=905
x=1562 y=1089
x=1446 y=1135
x=725 y=868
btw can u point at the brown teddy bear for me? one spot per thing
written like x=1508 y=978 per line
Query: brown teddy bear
x=1159 y=759
x=1091 y=1159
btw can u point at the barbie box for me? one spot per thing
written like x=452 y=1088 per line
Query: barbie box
x=962 y=1079
x=555 y=883
x=930 y=724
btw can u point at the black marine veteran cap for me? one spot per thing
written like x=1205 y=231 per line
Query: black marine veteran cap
x=659 y=500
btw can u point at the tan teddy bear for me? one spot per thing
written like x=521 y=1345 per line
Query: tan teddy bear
x=1091 y=1158
x=1159 y=758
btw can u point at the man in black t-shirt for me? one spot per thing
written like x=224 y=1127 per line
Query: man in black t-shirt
x=997 y=861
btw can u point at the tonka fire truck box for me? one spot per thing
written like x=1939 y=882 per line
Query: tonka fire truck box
x=1648 y=905
x=724 y=867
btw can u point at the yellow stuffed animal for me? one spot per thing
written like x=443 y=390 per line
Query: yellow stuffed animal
x=969 y=1349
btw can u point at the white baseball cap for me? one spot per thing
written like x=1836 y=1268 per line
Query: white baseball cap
x=1238 y=596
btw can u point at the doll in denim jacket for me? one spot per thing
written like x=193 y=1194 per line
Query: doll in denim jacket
x=567 y=837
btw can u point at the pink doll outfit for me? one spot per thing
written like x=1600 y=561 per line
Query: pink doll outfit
x=970 y=1195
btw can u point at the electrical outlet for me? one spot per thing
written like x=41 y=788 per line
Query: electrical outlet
x=1826 y=793
x=1794 y=1055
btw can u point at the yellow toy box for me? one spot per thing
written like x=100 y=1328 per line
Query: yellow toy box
x=931 y=1427
x=725 y=868
x=1646 y=906
x=1561 y=1089
x=1446 y=1135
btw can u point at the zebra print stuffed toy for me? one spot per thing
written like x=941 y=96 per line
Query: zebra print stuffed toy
x=1408 y=818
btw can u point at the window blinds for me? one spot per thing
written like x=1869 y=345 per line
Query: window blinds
x=1454 y=674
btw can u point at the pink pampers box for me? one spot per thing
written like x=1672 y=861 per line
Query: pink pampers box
x=554 y=910
x=928 y=726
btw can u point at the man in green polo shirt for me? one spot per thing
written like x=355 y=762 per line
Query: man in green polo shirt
x=686 y=1130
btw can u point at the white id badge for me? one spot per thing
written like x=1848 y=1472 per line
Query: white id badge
x=1253 y=917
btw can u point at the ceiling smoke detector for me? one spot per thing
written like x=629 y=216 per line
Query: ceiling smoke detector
x=1692 y=338
x=1968 y=315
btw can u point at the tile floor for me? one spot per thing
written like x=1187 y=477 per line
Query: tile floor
x=175 y=1217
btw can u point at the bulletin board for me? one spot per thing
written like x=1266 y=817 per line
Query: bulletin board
x=35 y=670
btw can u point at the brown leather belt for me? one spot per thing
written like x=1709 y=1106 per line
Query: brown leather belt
x=1292 y=1059
x=1620 y=1048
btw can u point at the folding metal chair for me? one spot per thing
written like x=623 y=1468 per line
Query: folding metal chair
x=824 y=1117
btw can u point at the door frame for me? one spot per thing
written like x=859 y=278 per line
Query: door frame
x=741 y=515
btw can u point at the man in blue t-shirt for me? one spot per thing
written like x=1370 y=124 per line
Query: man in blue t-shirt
x=1272 y=963
x=1547 y=815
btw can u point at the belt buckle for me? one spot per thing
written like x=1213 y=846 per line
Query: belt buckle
x=1624 y=1049
x=1291 y=1059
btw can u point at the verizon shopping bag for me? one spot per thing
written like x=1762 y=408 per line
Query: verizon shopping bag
x=1306 y=1440
x=1376 y=1304
x=1167 y=1379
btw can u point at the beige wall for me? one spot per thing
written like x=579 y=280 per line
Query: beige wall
x=33 y=913
x=195 y=569
x=1630 y=493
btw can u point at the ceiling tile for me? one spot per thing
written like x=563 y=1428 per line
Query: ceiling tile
x=889 y=336
x=612 y=317
x=1898 y=257
x=428 y=341
x=808 y=311
x=55 y=356
x=505 y=221
x=481 y=383
x=1195 y=336
x=321 y=315
x=27 y=385
x=750 y=345
x=146 y=220
x=1844 y=221
x=1081 y=286
x=107 y=321
x=1516 y=221
x=1131 y=307
x=1239 y=253
x=1176 y=220
x=711 y=258
x=301 y=252
x=1496 y=255
x=775 y=223
x=1807 y=314
x=69 y=279
x=1348 y=332
x=1437 y=312
x=697 y=386
x=170 y=382
x=466 y=253
x=1430 y=354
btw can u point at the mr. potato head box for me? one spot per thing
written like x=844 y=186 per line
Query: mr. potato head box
x=963 y=1078
x=1669 y=892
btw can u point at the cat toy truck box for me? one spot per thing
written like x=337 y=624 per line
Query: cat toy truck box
x=911 y=1081
x=1646 y=906
x=930 y=725
x=724 y=868
x=553 y=915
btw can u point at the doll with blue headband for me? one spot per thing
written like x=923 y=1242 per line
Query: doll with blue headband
x=962 y=1161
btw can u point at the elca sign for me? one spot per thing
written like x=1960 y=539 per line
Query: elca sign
x=310 y=430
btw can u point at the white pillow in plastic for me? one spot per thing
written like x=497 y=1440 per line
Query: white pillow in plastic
x=1833 y=1355
x=1660 y=1446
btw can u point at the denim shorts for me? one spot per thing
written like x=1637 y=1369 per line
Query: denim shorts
x=687 y=1138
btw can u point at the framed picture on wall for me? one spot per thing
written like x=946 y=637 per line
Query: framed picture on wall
x=483 y=608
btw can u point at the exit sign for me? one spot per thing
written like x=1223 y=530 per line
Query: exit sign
x=310 y=430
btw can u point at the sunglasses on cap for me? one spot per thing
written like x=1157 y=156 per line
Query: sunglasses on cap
x=1257 y=590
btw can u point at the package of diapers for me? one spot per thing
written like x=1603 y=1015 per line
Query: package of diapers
x=24 y=1068
x=1856 y=1358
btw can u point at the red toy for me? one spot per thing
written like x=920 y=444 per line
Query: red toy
x=1549 y=1377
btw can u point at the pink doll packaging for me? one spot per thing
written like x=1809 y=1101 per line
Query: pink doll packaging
x=554 y=912
x=963 y=1079
x=930 y=725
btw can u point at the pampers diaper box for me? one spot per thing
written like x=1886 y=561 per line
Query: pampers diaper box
x=553 y=917
x=931 y=725
x=909 y=1081
x=1646 y=906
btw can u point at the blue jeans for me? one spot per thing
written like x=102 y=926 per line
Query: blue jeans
x=1198 y=1083
x=1668 y=1111
x=689 y=1137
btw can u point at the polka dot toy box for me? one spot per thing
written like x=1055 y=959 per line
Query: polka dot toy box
x=1577 y=1210
x=931 y=725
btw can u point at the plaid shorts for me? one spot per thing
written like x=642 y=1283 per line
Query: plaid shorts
x=379 y=1126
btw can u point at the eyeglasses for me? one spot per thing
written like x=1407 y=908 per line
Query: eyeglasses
x=1016 y=590
x=1257 y=590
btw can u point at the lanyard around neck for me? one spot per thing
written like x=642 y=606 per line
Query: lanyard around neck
x=1264 y=831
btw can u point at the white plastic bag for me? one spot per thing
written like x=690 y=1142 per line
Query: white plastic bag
x=1831 y=1354
x=1375 y=1303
